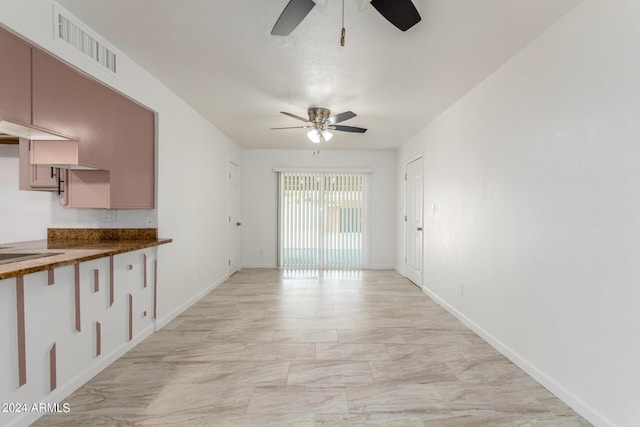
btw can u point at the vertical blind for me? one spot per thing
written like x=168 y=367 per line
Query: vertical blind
x=321 y=220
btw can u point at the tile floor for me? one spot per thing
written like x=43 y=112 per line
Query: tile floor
x=278 y=348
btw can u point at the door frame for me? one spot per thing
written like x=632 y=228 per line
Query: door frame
x=405 y=223
x=233 y=219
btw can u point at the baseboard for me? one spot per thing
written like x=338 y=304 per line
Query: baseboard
x=103 y=361
x=161 y=323
x=586 y=411
x=368 y=267
x=261 y=266
x=380 y=267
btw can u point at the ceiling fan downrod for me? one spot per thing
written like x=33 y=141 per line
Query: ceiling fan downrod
x=344 y=32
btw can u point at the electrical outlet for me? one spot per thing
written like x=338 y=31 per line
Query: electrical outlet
x=109 y=215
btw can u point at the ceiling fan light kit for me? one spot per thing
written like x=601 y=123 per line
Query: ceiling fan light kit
x=317 y=137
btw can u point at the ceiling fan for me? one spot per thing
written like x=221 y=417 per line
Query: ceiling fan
x=321 y=122
x=401 y=13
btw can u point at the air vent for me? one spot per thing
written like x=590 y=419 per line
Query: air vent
x=78 y=38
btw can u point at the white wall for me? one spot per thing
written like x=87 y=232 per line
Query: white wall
x=535 y=179
x=259 y=199
x=23 y=212
x=191 y=186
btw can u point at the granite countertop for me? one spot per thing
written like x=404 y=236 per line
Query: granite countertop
x=75 y=245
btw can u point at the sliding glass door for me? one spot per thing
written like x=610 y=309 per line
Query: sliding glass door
x=321 y=220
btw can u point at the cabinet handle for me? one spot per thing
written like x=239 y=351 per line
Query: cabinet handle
x=60 y=182
x=64 y=198
x=419 y=228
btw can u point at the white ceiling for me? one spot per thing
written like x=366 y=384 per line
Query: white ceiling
x=219 y=56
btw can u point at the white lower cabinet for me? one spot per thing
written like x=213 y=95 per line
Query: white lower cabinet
x=131 y=292
x=72 y=329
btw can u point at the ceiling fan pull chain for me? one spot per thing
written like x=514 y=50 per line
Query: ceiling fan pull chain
x=342 y=36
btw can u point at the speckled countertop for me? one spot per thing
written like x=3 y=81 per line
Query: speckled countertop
x=76 y=245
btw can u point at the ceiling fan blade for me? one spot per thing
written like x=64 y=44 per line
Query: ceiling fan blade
x=294 y=116
x=348 y=128
x=292 y=127
x=401 y=13
x=291 y=16
x=337 y=118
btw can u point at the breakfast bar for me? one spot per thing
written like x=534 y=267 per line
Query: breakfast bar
x=66 y=246
x=74 y=303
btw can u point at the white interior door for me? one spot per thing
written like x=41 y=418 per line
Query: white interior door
x=414 y=221
x=234 y=218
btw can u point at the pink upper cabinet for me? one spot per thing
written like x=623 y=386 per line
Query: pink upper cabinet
x=15 y=79
x=133 y=171
x=70 y=103
x=113 y=133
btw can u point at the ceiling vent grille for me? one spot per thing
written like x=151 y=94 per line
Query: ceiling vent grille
x=78 y=38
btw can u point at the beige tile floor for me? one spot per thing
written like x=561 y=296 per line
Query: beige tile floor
x=277 y=348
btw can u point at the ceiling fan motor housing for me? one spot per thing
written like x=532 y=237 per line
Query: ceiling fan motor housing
x=319 y=117
x=317 y=114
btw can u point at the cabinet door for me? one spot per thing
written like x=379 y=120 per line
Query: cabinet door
x=87 y=189
x=73 y=104
x=44 y=177
x=129 y=272
x=35 y=177
x=15 y=79
x=133 y=173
